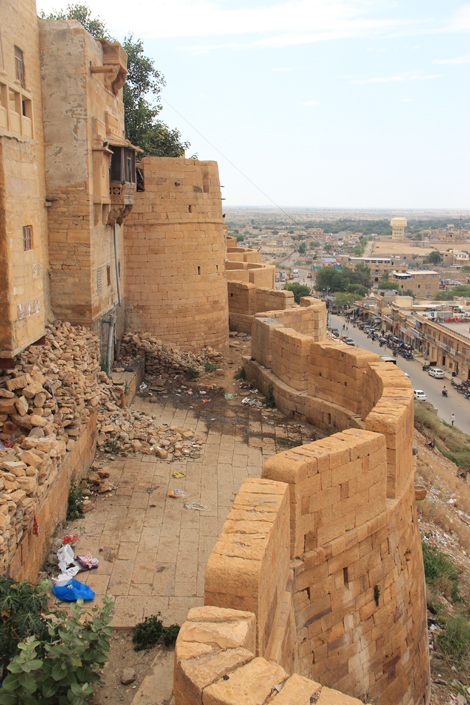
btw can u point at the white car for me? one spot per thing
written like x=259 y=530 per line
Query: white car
x=436 y=372
x=349 y=341
x=420 y=395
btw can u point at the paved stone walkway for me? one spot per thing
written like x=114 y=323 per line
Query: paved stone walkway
x=154 y=550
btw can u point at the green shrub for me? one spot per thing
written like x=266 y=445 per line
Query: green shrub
x=454 y=641
x=457 y=443
x=441 y=572
x=75 y=499
x=21 y=615
x=241 y=374
x=62 y=668
x=192 y=372
x=151 y=631
x=210 y=366
x=269 y=398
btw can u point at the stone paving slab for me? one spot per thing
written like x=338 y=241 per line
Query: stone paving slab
x=154 y=551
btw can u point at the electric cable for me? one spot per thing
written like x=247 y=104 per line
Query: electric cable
x=235 y=166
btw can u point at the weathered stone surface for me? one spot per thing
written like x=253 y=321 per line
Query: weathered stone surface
x=128 y=676
x=251 y=684
x=22 y=406
x=38 y=420
x=30 y=458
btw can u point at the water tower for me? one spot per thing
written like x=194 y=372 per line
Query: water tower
x=398 y=228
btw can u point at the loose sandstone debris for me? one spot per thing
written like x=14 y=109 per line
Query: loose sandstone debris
x=46 y=401
x=163 y=358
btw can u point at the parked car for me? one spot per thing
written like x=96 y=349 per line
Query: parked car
x=350 y=341
x=335 y=331
x=436 y=372
x=420 y=395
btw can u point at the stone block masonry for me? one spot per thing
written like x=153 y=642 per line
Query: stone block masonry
x=175 y=255
x=348 y=608
x=215 y=664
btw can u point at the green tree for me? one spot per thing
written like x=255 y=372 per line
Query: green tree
x=433 y=257
x=448 y=294
x=302 y=248
x=329 y=278
x=407 y=292
x=328 y=247
x=143 y=128
x=346 y=298
x=465 y=268
x=298 y=289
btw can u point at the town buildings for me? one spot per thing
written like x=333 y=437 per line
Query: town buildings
x=423 y=283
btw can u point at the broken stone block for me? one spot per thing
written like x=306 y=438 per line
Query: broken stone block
x=32 y=389
x=7 y=406
x=128 y=676
x=37 y=420
x=30 y=458
x=22 y=406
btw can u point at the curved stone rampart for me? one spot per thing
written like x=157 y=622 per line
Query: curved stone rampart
x=262 y=275
x=325 y=549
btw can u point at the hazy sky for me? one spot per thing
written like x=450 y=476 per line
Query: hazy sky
x=321 y=103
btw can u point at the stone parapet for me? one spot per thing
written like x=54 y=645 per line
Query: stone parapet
x=215 y=664
x=347 y=608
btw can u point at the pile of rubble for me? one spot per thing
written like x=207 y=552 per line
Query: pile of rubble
x=126 y=430
x=46 y=400
x=163 y=358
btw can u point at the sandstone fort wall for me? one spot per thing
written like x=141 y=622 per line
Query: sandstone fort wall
x=175 y=255
x=342 y=598
x=245 y=300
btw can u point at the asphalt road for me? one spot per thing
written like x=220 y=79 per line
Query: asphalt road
x=455 y=403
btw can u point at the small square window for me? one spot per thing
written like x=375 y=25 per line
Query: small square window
x=27 y=237
x=108 y=274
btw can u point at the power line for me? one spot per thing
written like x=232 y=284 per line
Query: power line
x=236 y=167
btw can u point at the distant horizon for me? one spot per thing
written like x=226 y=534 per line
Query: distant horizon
x=352 y=208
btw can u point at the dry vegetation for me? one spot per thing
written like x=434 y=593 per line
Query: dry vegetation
x=445 y=527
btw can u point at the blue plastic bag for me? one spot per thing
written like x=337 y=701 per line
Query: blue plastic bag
x=72 y=590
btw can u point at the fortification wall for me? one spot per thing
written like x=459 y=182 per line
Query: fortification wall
x=245 y=300
x=175 y=255
x=215 y=664
x=347 y=606
x=262 y=275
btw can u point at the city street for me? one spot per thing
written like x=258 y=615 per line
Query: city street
x=454 y=404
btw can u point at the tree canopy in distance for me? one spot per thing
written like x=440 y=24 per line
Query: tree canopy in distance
x=141 y=92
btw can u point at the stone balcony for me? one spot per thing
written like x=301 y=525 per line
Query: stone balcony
x=122 y=200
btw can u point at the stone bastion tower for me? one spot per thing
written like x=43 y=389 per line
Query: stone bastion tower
x=175 y=245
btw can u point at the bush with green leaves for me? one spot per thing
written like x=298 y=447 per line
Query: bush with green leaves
x=454 y=640
x=22 y=607
x=151 y=631
x=269 y=400
x=210 y=366
x=74 y=501
x=241 y=374
x=440 y=572
x=192 y=372
x=62 y=669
